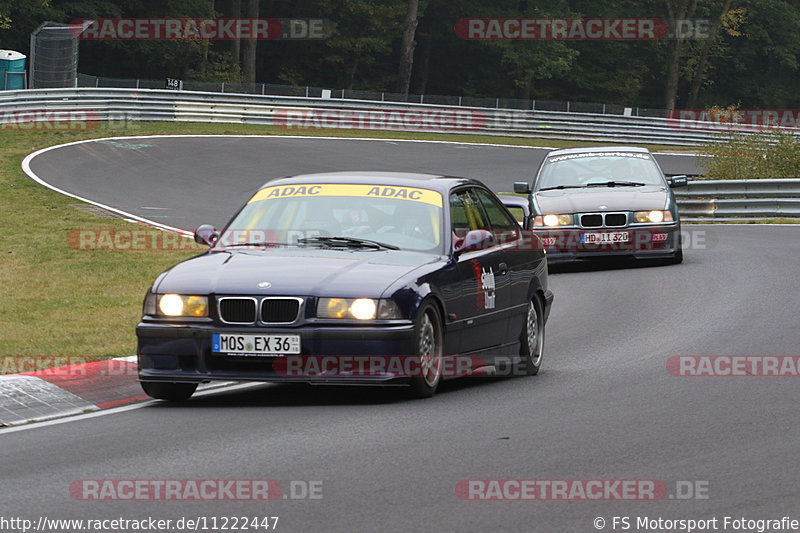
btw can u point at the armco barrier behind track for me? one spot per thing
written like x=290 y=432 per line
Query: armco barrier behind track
x=301 y=112
x=715 y=200
x=701 y=200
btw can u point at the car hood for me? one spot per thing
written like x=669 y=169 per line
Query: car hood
x=589 y=200
x=292 y=271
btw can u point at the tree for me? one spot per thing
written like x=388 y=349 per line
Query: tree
x=5 y=21
x=677 y=10
x=751 y=55
x=407 y=47
x=360 y=51
x=250 y=46
x=236 y=48
x=525 y=62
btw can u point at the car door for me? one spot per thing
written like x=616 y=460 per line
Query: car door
x=482 y=274
x=520 y=260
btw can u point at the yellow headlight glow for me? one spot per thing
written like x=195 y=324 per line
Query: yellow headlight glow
x=550 y=220
x=357 y=308
x=553 y=220
x=363 y=308
x=171 y=305
x=336 y=308
x=652 y=217
x=196 y=306
x=180 y=305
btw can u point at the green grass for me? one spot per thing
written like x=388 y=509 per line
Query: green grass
x=62 y=301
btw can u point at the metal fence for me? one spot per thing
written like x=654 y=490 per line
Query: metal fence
x=292 y=112
x=710 y=200
x=731 y=200
x=271 y=89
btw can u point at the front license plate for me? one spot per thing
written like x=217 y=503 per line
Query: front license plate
x=276 y=345
x=605 y=238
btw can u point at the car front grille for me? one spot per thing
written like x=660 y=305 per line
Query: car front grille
x=591 y=221
x=604 y=220
x=616 y=220
x=245 y=310
x=237 y=310
x=279 y=310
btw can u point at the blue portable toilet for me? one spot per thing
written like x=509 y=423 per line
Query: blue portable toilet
x=12 y=70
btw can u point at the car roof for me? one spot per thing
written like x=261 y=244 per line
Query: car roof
x=434 y=182
x=634 y=149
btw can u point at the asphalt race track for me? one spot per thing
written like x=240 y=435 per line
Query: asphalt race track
x=603 y=407
x=213 y=177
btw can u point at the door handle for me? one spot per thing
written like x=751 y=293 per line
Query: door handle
x=502 y=269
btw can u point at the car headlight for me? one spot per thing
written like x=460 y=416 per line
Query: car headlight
x=652 y=217
x=358 y=308
x=177 y=305
x=551 y=221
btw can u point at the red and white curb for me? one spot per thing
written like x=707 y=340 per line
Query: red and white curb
x=68 y=390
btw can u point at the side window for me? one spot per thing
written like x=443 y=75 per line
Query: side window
x=501 y=222
x=518 y=213
x=465 y=213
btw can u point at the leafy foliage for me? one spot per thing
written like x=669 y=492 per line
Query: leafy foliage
x=752 y=56
x=767 y=153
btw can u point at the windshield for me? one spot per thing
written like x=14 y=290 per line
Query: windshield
x=588 y=169
x=368 y=216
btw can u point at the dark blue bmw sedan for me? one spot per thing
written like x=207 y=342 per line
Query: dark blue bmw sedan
x=350 y=278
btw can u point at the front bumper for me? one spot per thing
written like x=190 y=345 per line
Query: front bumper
x=644 y=242
x=182 y=353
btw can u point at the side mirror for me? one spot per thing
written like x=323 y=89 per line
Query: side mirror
x=206 y=234
x=518 y=206
x=522 y=187
x=476 y=239
x=678 y=181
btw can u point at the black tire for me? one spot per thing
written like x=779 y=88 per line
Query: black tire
x=428 y=340
x=531 y=338
x=173 y=392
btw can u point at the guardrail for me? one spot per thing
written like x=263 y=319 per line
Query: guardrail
x=729 y=200
x=700 y=201
x=113 y=104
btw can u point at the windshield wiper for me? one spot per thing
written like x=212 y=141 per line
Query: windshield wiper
x=262 y=245
x=243 y=244
x=348 y=241
x=560 y=187
x=616 y=184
